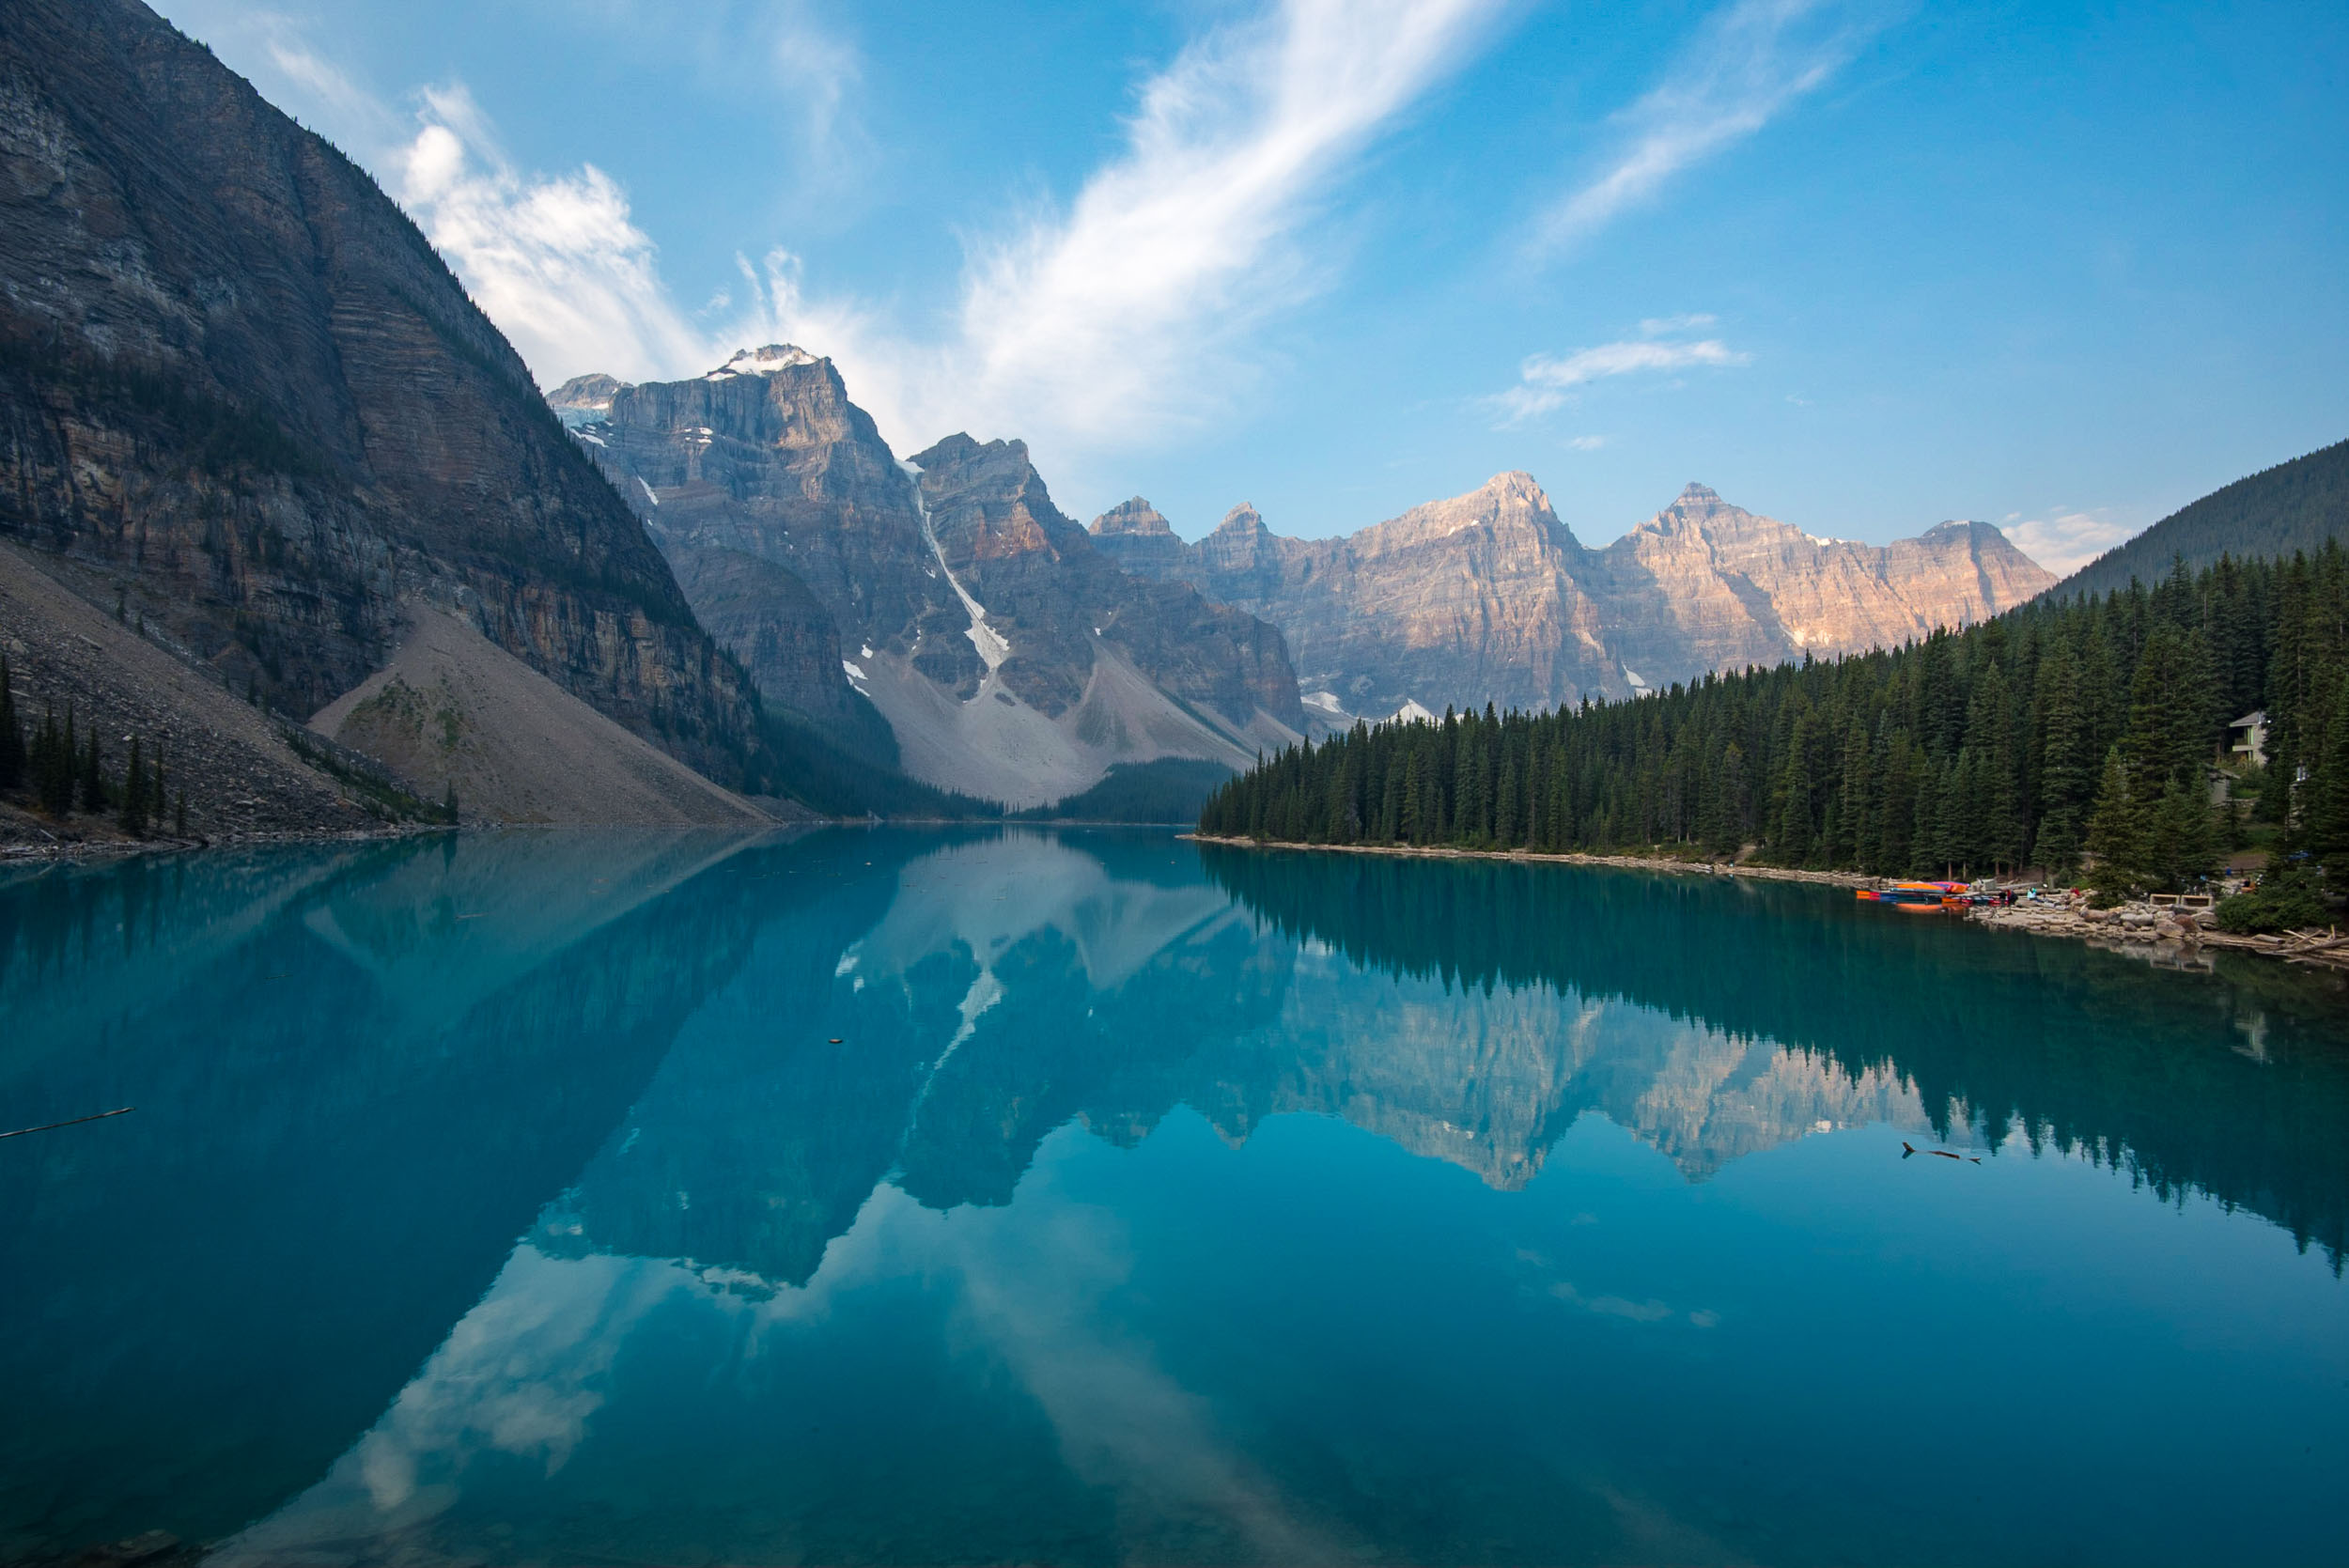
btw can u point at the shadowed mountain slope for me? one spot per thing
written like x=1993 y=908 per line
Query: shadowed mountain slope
x=239 y=386
x=940 y=613
x=2293 y=506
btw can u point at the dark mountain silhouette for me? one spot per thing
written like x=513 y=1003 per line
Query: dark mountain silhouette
x=2293 y=506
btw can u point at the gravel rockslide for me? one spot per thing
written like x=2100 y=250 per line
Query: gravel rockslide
x=242 y=781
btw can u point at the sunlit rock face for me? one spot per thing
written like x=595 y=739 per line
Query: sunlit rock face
x=242 y=391
x=1489 y=598
x=1138 y=537
x=951 y=617
x=1705 y=585
x=1474 y=595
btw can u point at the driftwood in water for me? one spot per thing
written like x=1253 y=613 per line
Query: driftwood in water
x=71 y=1122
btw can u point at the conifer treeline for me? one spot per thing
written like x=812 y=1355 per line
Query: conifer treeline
x=2087 y=726
x=61 y=773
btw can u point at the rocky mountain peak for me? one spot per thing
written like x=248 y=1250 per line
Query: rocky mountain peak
x=1242 y=519
x=589 y=394
x=1699 y=511
x=944 y=603
x=989 y=498
x=1508 y=511
x=1136 y=518
x=764 y=360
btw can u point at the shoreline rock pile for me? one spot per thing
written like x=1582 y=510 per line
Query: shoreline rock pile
x=2181 y=932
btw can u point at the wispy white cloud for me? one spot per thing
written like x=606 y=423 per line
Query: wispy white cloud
x=2065 y=540
x=349 y=111
x=1545 y=382
x=1752 y=61
x=1586 y=444
x=1091 y=327
x=558 y=263
x=1660 y=326
x=819 y=66
x=1112 y=319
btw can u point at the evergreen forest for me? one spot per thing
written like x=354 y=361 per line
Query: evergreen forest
x=2082 y=731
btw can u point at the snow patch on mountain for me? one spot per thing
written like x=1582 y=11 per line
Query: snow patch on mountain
x=762 y=361
x=993 y=648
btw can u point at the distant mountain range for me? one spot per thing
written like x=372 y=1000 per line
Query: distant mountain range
x=2293 y=506
x=248 y=410
x=1489 y=598
x=940 y=614
x=794 y=532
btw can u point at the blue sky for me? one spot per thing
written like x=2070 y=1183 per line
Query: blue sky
x=1861 y=268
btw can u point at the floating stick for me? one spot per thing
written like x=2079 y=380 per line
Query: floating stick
x=70 y=1122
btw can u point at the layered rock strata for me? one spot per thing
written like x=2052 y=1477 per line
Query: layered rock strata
x=1705 y=585
x=944 y=604
x=1489 y=598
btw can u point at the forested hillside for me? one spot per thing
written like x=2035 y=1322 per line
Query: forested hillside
x=2067 y=726
x=2293 y=506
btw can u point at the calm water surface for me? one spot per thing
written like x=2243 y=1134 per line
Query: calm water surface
x=889 y=1197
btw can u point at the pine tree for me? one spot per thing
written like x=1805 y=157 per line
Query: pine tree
x=93 y=781
x=133 y=818
x=2116 y=834
x=2179 y=840
x=1853 y=840
x=2065 y=770
x=52 y=765
x=11 y=734
x=1992 y=811
x=1729 y=803
x=2326 y=832
x=180 y=815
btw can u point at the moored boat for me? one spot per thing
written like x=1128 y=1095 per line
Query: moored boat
x=1916 y=896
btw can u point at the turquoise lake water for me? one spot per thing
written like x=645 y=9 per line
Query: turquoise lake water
x=878 y=1196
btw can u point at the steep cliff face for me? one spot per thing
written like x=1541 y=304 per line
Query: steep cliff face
x=1489 y=598
x=1139 y=538
x=236 y=380
x=1007 y=655
x=1475 y=597
x=1058 y=599
x=585 y=398
x=791 y=529
x=1705 y=585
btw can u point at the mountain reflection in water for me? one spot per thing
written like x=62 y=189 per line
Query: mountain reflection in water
x=887 y=1196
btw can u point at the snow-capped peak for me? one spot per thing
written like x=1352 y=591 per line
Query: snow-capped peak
x=761 y=362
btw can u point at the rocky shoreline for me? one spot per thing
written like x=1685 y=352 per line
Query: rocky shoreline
x=70 y=841
x=2181 y=934
x=2169 y=937
x=1628 y=862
